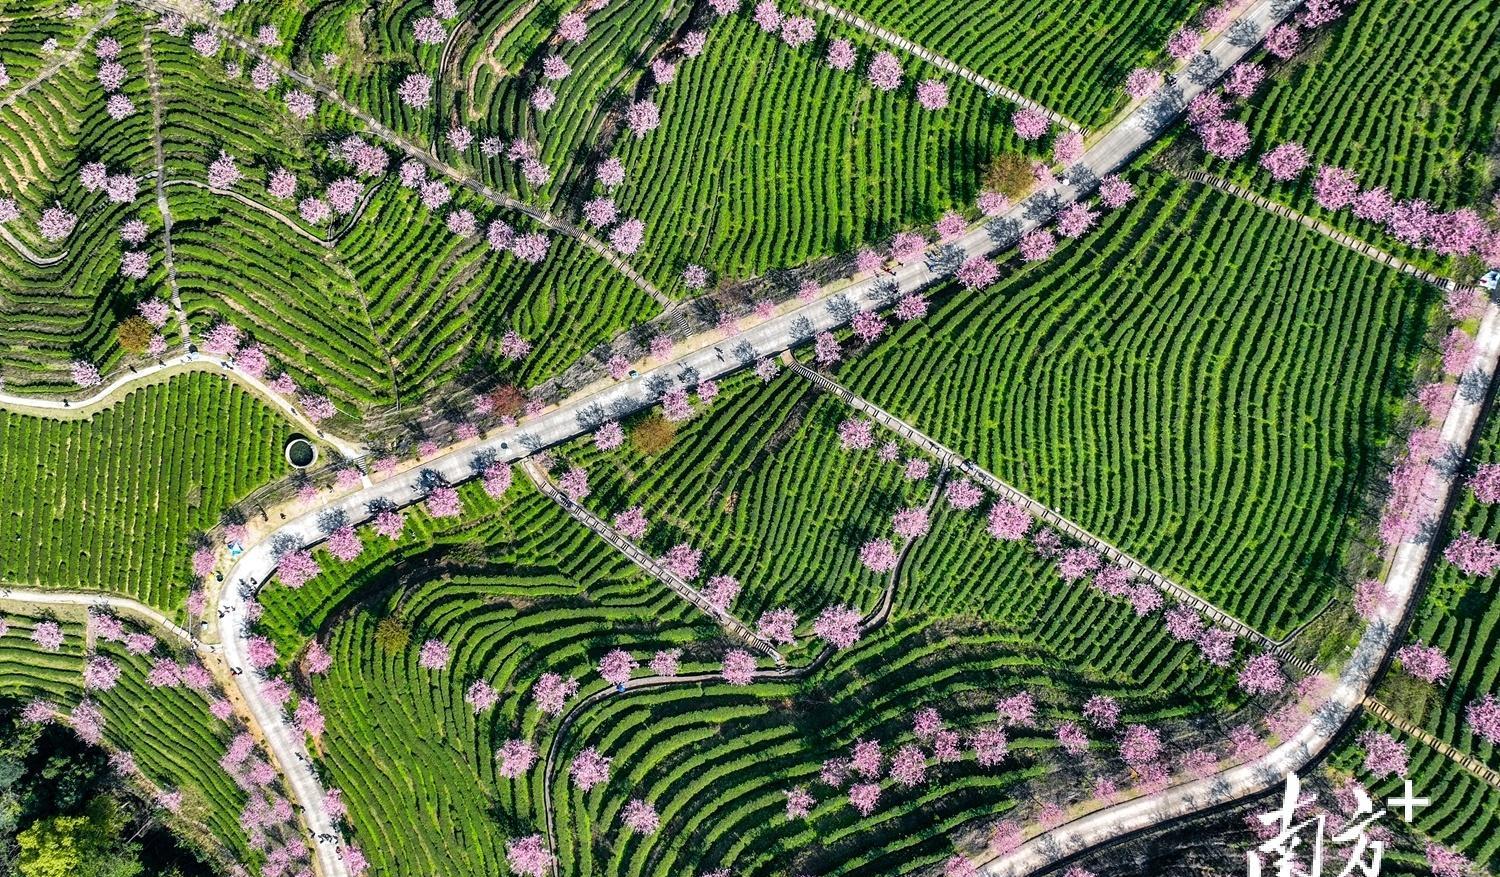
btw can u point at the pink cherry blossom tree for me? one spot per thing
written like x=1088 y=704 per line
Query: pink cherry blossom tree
x=778 y=626
x=642 y=118
x=1075 y=220
x=739 y=667
x=1072 y=739
x=840 y=54
x=574 y=483
x=516 y=757
x=909 y=766
x=665 y=663
x=1067 y=148
x=1473 y=555
x=1383 y=754
x=415 y=91
x=884 y=73
x=627 y=236
x=1140 y=746
x=481 y=695
x=1262 y=675
x=1334 y=187
x=683 y=560
x=911 y=307
x=1030 y=124
x=798 y=31
x=631 y=523
x=223 y=172
x=878 y=555
x=1244 y=79
x=56 y=223
x=260 y=652
x=1217 y=646
x=389 y=522
x=1225 y=138
x=1184 y=43
x=932 y=94
x=1037 y=246
x=616 y=666
x=963 y=494
x=864 y=797
x=1142 y=82
x=1427 y=663
x=1483 y=718
x=977 y=273
x=640 y=817
x=316 y=660
x=100 y=673
x=1102 y=711
x=990 y=745
x=799 y=803
x=1286 y=162
x=434 y=655
x=300 y=104
x=1008 y=521
x=528 y=856
x=1284 y=41
x=721 y=591
x=1017 y=709
x=1183 y=623
x=856 y=434
x=443 y=502
x=839 y=626
x=552 y=691
x=1077 y=563
x=296 y=568
x=911 y=523
x=1445 y=862
x=572 y=28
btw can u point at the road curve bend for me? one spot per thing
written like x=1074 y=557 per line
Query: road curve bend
x=706 y=356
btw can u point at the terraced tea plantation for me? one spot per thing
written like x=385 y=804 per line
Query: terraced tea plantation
x=657 y=348
x=1400 y=93
x=54 y=308
x=517 y=589
x=1460 y=615
x=176 y=744
x=1204 y=384
x=974 y=618
x=112 y=503
x=1465 y=811
x=1071 y=56
x=767 y=158
x=758 y=482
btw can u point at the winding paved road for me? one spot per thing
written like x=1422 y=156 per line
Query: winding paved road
x=705 y=357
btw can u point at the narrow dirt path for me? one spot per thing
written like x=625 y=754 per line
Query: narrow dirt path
x=154 y=78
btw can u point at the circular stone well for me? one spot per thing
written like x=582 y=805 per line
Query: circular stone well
x=300 y=453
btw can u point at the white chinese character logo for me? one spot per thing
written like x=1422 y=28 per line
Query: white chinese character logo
x=1297 y=847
